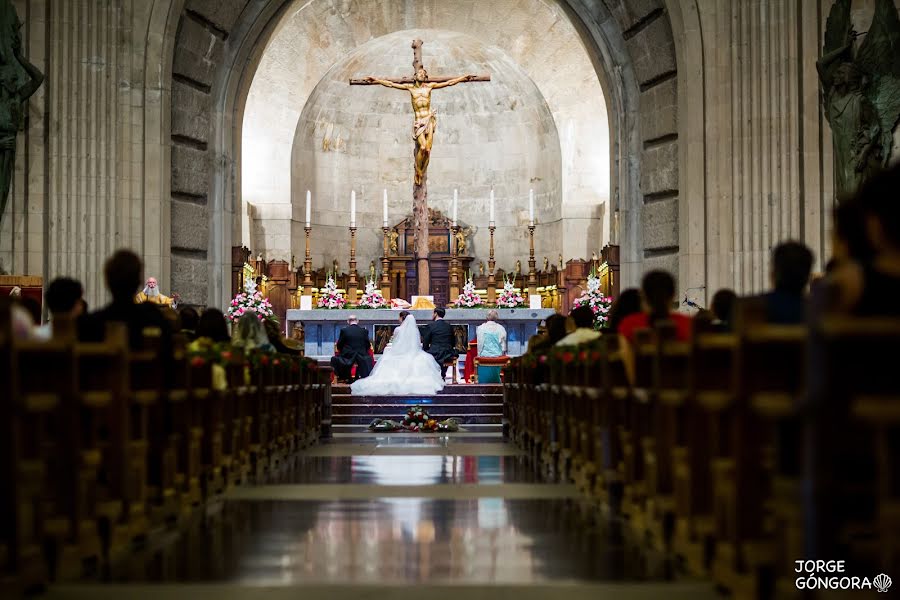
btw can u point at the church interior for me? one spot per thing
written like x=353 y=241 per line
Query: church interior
x=665 y=236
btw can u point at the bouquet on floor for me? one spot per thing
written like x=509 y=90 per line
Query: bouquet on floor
x=372 y=297
x=469 y=298
x=599 y=303
x=509 y=297
x=250 y=299
x=330 y=296
x=416 y=419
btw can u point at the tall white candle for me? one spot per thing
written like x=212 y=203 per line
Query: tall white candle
x=492 y=206
x=531 y=206
x=353 y=208
x=385 y=218
x=308 y=200
x=455 y=205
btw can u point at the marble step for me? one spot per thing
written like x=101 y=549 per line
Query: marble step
x=494 y=418
x=355 y=428
x=433 y=409
x=449 y=390
x=345 y=400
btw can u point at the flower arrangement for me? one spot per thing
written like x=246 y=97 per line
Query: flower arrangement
x=599 y=303
x=329 y=296
x=509 y=297
x=372 y=297
x=469 y=298
x=250 y=299
x=416 y=419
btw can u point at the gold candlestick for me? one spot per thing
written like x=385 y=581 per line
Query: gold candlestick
x=351 y=281
x=307 y=263
x=492 y=282
x=454 y=264
x=385 y=267
x=532 y=274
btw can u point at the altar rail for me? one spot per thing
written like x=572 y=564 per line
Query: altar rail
x=741 y=452
x=322 y=327
x=103 y=446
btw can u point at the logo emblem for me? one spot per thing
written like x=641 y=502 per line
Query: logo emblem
x=882 y=583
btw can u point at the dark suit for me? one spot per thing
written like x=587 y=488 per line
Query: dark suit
x=439 y=342
x=353 y=348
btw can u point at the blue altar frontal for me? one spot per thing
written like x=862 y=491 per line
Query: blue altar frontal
x=322 y=327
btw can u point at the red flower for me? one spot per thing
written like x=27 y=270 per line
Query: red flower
x=226 y=355
x=567 y=357
x=583 y=356
x=543 y=359
x=198 y=361
x=276 y=362
x=263 y=360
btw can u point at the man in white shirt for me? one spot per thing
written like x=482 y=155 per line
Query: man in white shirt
x=584 y=328
x=491 y=336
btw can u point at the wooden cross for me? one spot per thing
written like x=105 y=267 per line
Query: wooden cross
x=420 y=86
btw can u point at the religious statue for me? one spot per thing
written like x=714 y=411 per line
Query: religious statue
x=460 y=242
x=372 y=270
x=861 y=92
x=594 y=257
x=334 y=266
x=19 y=80
x=420 y=87
x=518 y=267
x=394 y=236
x=293 y=263
x=546 y=265
x=481 y=268
x=561 y=265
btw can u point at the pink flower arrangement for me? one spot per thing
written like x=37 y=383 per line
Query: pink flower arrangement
x=329 y=296
x=509 y=297
x=372 y=297
x=250 y=299
x=469 y=298
x=599 y=303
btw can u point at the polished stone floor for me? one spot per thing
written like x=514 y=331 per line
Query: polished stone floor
x=380 y=516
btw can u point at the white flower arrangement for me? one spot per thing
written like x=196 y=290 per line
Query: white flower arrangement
x=329 y=296
x=509 y=297
x=599 y=303
x=251 y=299
x=469 y=298
x=372 y=297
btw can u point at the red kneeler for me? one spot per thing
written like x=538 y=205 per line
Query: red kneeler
x=469 y=366
x=353 y=368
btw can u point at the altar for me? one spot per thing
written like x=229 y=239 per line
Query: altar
x=322 y=327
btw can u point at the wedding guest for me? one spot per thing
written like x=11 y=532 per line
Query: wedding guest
x=278 y=341
x=658 y=291
x=628 y=303
x=213 y=326
x=583 y=317
x=353 y=349
x=791 y=268
x=491 y=336
x=63 y=300
x=722 y=308
x=250 y=333
x=189 y=319
x=122 y=272
x=555 y=329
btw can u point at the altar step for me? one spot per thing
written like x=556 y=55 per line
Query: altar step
x=478 y=408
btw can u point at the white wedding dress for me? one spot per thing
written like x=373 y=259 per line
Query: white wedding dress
x=404 y=369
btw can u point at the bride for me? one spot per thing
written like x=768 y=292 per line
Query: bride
x=404 y=369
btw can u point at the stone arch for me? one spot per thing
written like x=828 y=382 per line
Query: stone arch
x=218 y=43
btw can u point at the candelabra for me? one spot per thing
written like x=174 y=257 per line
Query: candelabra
x=351 y=281
x=532 y=274
x=385 y=267
x=307 y=264
x=454 y=263
x=492 y=282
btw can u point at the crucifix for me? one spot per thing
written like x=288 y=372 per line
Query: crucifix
x=419 y=86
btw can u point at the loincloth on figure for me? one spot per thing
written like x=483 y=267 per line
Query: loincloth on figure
x=424 y=125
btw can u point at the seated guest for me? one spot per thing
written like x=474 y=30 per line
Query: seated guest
x=278 y=341
x=791 y=268
x=151 y=294
x=722 y=309
x=555 y=329
x=658 y=289
x=583 y=317
x=870 y=285
x=250 y=333
x=212 y=326
x=63 y=296
x=123 y=277
x=189 y=319
x=491 y=336
x=628 y=303
x=353 y=349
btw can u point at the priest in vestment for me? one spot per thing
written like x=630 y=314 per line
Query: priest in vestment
x=151 y=294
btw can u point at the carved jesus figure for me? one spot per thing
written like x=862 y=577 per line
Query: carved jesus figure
x=425 y=121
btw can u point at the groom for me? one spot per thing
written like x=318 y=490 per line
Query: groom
x=439 y=341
